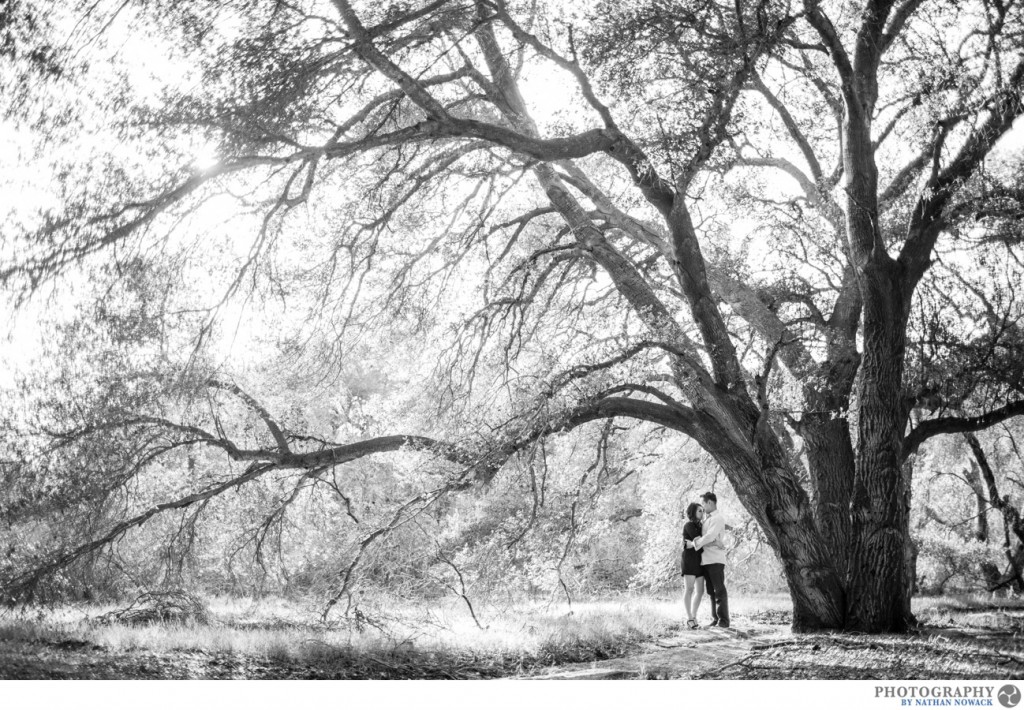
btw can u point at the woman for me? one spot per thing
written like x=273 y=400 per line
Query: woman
x=693 y=575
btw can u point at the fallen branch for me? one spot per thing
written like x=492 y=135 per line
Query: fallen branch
x=717 y=671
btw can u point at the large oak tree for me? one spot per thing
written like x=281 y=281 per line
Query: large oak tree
x=738 y=221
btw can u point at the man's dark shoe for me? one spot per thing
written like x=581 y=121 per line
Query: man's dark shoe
x=722 y=626
x=713 y=623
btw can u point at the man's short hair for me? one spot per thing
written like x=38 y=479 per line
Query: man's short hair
x=709 y=496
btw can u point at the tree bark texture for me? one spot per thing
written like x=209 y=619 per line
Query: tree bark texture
x=878 y=598
x=770 y=491
x=830 y=460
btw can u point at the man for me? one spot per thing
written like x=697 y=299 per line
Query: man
x=712 y=560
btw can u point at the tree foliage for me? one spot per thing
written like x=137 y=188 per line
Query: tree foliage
x=786 y=231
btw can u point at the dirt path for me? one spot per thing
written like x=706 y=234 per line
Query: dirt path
x=969 y=644
x=688 y=654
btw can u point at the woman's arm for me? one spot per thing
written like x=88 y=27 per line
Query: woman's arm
x=713 y=529
x=690 y=532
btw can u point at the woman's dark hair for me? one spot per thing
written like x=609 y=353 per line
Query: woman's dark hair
x=691 y=512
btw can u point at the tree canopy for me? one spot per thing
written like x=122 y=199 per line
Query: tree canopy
x=789 y=232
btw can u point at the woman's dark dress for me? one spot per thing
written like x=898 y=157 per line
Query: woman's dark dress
x=691 y=557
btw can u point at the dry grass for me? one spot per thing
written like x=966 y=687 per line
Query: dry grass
x=979 y=610
x=512 y=640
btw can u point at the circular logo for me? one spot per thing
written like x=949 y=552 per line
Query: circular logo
x=1009 y=696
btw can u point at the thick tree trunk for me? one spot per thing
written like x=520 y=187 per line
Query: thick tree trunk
x=814 y=585
x=861 y=496
x=826 y=430
x=830 y=459
x=770 y=491
x=878 y=598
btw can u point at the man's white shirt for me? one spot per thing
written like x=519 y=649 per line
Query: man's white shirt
x=710 y=543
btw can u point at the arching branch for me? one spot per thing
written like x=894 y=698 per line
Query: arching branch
x=272 y=425
x=833 y=44
x=958 y=425
x=479 y=467
x=796 y=134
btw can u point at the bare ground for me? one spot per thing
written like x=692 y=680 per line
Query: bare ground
x=965 y=643
x=955 y=643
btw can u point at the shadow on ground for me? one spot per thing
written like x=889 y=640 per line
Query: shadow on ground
x=978 y=644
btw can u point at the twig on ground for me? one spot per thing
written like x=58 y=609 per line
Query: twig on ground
x=1009 y=658
x=717 y=671
x=777 y=644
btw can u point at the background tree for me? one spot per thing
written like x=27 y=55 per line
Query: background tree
x=972 y=541
x=549 y=198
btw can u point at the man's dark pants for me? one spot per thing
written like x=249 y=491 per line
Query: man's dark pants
x=714 y=581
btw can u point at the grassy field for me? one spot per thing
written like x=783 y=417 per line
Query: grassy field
x=242 y=638
x=389 y=639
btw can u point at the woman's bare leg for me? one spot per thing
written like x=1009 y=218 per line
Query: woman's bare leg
x=699 y=595
x=688 y=581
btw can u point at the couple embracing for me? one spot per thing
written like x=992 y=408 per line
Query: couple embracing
x=704 y=561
